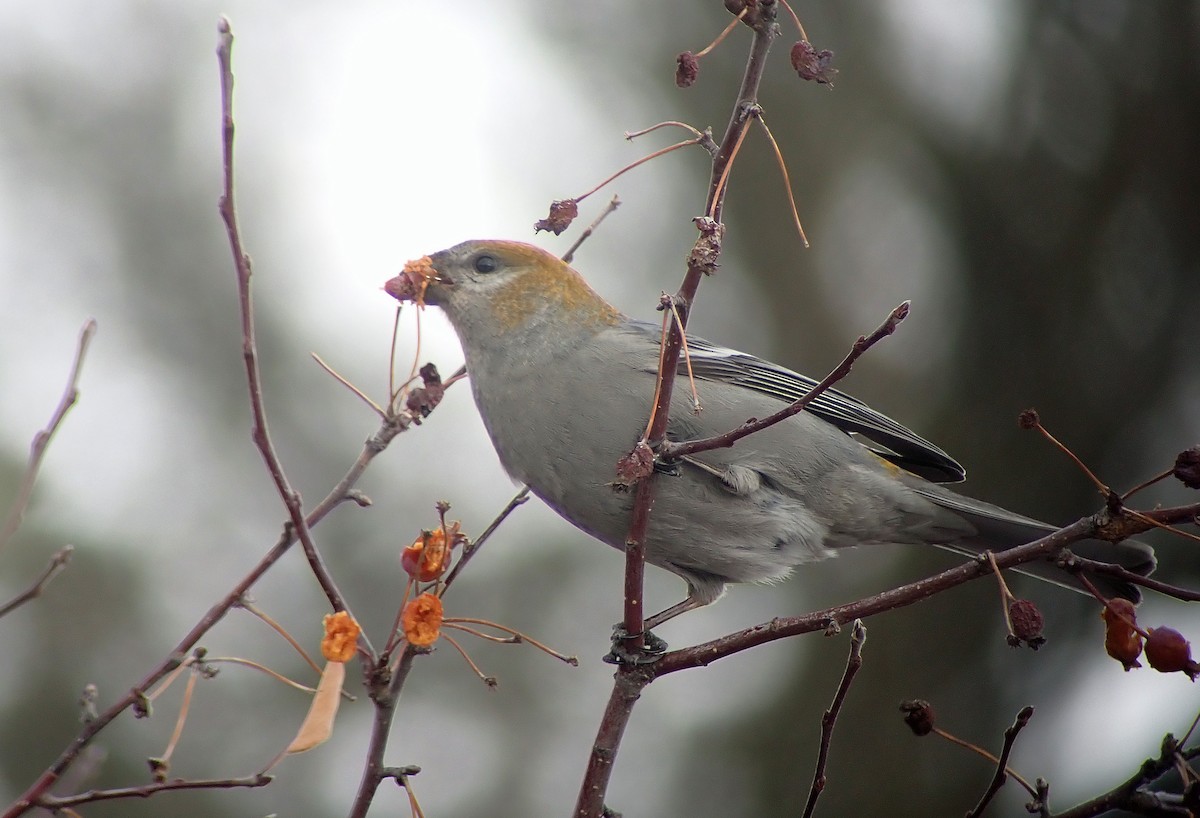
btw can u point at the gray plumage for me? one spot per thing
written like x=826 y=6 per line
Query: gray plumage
x=564 y=383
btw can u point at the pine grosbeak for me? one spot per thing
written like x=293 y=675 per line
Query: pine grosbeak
x=564 y=383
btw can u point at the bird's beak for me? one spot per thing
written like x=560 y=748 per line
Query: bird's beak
x=415 y=280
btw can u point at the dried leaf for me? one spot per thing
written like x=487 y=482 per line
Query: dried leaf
x=318 y=723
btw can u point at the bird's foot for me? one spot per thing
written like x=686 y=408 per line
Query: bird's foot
x=652 y=648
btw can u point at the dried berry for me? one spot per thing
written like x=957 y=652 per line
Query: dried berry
x=813 y=65
x=1121 y=639
x=562 y=213
x=341 y=637
x=421 y=620
x=422 y=400
x=1026 y=622
x=1029 y=419
x=1168 y=652
x=918 y=715
x=686 y=69
x=1187 y=467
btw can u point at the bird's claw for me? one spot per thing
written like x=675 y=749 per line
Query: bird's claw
x=670 y=468
x=652 y=648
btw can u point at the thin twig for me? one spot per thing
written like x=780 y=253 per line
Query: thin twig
x=669 y=450
x=37 y=450
x=858 y=638
x=631 y=135
x=51 y=802
x=169 y=678
x=724 y=33
x=727 y=169
x=687 y=355
x=1010 y=738
x=469 y=551
x=392 y=391
x=337 y=376
x=276 y=675
x=253 y=610
x=1147 y=483
x=516 y=636
x=1006 y=596
x=1036 y=423
x=979 y=751
x=1073 y=562
x=490 y=681
x=58 y=562
x=787 y=180
x=1153 y=523
x=400 y=776
x=795 y=18
x=642 y=161
x=609 y=208
x=185 y=706
x=243 y=268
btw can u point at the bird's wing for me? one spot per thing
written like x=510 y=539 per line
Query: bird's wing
x=901 y=446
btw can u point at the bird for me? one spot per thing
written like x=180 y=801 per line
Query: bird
x=564 y=383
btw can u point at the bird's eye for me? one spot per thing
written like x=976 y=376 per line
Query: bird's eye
x=486 y=264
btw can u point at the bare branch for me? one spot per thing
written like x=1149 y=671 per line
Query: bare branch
x=1129 y=794
x=701 y=260
x=58 y=562
x=609 y=208
x=671 y=450
x=37 y=450
x=1010 y=738
x=858 y=638
x=782 y=627
x=627 y=688
x=385 y=692
x=1073 y=562
x=291 y=498
x=146 y=790
x=518 y=499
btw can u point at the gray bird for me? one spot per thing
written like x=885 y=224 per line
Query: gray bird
x=564 y=382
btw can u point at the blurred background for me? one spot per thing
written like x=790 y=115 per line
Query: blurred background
x=1026 y=173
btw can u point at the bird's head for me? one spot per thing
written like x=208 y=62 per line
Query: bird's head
x=505 y=291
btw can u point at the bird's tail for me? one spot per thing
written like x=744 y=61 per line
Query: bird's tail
x=999 y=529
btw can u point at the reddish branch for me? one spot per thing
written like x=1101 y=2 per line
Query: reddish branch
x=241 y=261
x=700 y=261
x=1001 y=776
x=669 y=449
x=632 y=679
x=384 y=686
x=703 y=258
x=1094 y=527
x=858 y=638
